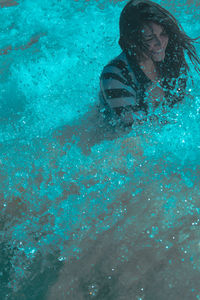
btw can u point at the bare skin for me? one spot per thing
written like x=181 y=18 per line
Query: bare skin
x=157 y=41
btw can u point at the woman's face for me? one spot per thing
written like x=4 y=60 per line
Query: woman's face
x=156 y=39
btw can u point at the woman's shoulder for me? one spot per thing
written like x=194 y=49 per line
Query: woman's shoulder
x=116 y=65
x=119 y=68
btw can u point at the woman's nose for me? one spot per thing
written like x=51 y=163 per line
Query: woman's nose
x=158 y=41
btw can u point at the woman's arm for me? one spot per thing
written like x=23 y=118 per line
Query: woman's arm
x=118 y=96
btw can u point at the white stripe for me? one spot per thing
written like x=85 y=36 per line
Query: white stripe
x=117 y=102
x=116 y=84
x=113 y=69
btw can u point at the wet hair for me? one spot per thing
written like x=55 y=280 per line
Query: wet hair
x=138 y=13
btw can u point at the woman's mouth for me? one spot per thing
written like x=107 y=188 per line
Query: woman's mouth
x=158 y=51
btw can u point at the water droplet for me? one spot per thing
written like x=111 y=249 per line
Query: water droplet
x=61 y=258
x=93 y=289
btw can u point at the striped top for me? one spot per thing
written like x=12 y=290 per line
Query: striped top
x=122 y=89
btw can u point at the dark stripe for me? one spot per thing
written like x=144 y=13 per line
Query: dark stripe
x=118 y=63
x=117 y=93
x=121 y=109
x=114 y=76
x=123 y=67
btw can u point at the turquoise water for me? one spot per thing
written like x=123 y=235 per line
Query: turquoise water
x=87 y=213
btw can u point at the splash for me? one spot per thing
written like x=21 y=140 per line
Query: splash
x=122 y=208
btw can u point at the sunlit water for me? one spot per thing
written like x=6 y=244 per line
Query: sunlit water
x=89 y=214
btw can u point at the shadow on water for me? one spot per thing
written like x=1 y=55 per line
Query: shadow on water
x=145 y=271
x=35 y=286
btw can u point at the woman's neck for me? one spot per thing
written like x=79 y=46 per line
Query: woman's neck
x=149 y=68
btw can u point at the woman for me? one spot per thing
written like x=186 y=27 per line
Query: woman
x=150 y=74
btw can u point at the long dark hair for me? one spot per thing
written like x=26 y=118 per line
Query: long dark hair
x=135 y=15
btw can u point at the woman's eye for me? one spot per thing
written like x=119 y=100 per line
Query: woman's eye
x=149 y=40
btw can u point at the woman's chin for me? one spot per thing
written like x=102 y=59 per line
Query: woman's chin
x=158 y=57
